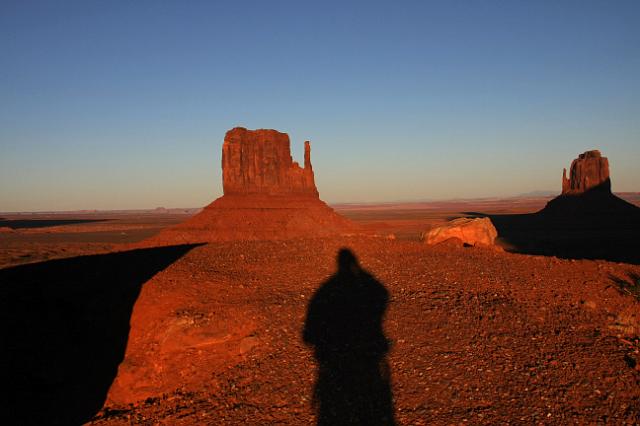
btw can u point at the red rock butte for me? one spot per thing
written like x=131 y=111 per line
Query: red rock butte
x=589 y=171
x=267 y=196
x=586 y=193
x=259 y=162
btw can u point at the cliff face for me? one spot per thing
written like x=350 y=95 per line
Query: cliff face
x=259 y=162
x=589 y=171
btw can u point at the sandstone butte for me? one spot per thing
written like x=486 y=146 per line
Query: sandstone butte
x=587 y=192
x=259 y=162
x=588 y=172
x=267 y=196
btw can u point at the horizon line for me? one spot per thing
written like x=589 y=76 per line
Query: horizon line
x=531 y=195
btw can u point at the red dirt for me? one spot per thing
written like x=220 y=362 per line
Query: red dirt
x=408 y=221
x=257 y=217
x=476 y=335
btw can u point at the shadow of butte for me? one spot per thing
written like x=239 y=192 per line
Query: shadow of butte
x=593 y=225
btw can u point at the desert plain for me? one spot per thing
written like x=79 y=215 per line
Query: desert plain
x=192 y=333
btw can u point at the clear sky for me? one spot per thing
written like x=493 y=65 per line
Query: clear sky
x=110 y=105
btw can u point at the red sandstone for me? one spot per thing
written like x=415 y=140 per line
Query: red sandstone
x=590 y=170
x=259 y=162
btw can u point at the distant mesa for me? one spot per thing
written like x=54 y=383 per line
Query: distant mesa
x=590 y=171
x=267 y=196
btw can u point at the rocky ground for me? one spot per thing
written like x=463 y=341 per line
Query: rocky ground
x=477 y=336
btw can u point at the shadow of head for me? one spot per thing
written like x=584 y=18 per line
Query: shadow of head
x=64 y=325
x=347 y=262
x=344 y=327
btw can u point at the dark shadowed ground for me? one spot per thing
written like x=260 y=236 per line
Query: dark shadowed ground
x=64 y=326
x=43 y=223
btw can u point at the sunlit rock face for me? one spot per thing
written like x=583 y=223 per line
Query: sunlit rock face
x=469 y=231
x=259 y=162
x=589 y=171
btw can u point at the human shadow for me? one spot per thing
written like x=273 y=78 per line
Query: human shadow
x=592 y=225
x=344 y=327
x=64 y=326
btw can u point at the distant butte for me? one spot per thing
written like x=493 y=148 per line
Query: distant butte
x=587 y=190
x=589 y=171
x=586 y=221
x=267 y=196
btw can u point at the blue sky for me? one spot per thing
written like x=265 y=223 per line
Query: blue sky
x=109 y=105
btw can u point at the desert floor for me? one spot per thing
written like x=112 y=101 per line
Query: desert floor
x=213 y=334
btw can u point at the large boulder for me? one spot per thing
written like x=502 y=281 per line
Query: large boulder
x=589 y=171
x=473 y=232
